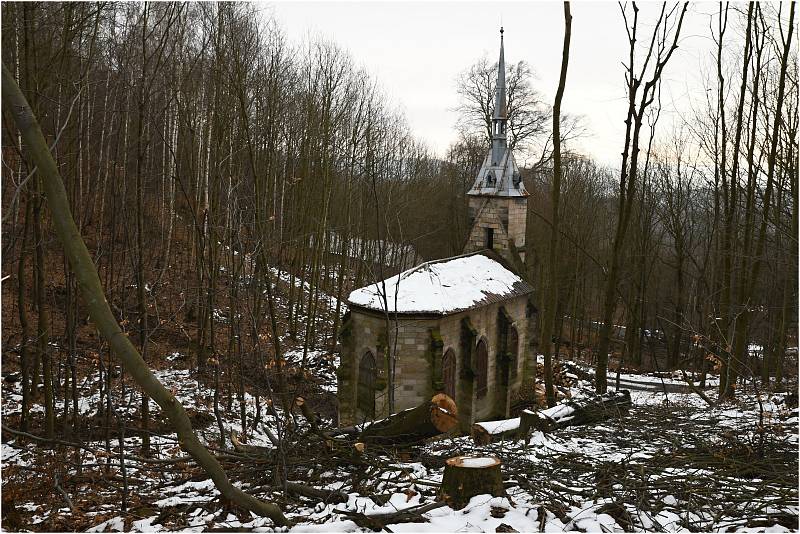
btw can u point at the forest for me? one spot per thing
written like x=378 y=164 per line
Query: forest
x=189 y=197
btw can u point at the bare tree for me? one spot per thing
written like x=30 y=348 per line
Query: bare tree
x=641 y=94
x=550 y=303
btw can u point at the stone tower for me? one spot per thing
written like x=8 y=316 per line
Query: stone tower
x=498 y=201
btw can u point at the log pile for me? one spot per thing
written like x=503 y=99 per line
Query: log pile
x=571 y=413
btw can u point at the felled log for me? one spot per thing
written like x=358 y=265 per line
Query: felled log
x=323 y=495
x=467 y=476
x=429 y=419
x=504 y=429
x=378 y=522
x=571 y=413
x=600 y=408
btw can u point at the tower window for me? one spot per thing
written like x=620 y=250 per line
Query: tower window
x=490 y=238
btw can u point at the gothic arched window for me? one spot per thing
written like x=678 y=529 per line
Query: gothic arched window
x=482 y=369
x=513 y=350
x=449 y=373
x=365 y=400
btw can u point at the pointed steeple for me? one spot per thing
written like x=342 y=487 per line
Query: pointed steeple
x=499 y=119
x=499 y=175
x=500 y=91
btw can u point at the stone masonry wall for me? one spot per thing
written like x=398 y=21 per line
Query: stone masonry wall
x=506 y=215
x=421 y=342
x=413 y=378
x=517 y=219
x=361 y=333
x=484 y=321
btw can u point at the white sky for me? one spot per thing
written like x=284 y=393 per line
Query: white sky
x=416 y=50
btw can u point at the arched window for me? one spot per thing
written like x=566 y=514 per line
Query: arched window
x=365 y=401
x=513 y=350
x=481 y=369
x=449 y=373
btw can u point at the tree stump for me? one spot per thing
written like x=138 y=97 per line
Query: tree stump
x=467 y=476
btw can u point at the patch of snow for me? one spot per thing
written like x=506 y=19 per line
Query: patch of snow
x=439 y=287
x=115 y=523
x=497 y=427
x=478 y=461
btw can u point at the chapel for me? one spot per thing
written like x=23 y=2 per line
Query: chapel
x=463 y=326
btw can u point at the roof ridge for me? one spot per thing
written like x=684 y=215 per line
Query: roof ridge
x=440 y=260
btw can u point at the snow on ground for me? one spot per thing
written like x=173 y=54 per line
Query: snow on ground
x=440 y=287
x=307 y=288
x=324 y=363
x=673 y=465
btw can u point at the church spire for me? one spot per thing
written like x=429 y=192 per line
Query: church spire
x=498 y=201
x=499 y=118
x=499 y=175
x=500 y=92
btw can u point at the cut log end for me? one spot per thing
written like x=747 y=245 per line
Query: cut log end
x=473 y=462
x=444 y=413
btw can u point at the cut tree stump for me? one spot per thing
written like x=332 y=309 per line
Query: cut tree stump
x=431 y=418
x=467 y=476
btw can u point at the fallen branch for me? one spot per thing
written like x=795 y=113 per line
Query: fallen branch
x=249 y=450
x=696 y=389
x=57 y=486
x=151 y=461
x=378 y=522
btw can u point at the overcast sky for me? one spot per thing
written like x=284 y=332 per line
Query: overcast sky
x=416 y=50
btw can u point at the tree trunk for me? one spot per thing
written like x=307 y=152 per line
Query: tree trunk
x=571 y=413
x=436 y=416
x=551 y=302
x=100 y=312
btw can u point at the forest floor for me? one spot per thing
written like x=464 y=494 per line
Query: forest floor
x=673 y=464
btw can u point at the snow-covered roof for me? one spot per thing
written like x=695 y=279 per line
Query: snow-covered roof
x=443 y=287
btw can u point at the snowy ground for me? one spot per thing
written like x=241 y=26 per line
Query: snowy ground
x=673 y=465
